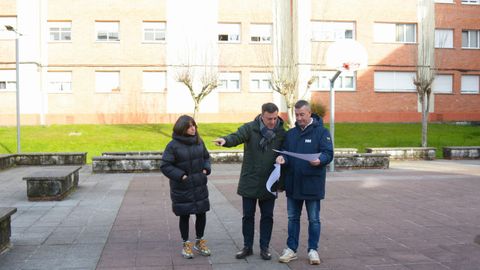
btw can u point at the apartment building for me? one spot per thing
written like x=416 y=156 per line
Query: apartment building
x=119 y=61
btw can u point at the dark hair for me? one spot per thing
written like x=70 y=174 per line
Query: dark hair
x=269 y=107
x=182 y=124
x=302 y=103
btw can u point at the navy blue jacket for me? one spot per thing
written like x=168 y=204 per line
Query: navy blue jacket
x=303 y=181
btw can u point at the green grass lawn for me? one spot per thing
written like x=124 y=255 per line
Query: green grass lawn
x=96 y=139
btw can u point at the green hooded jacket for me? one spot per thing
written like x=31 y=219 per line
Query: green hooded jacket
x=257 y=164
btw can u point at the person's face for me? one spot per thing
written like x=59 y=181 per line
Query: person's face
x=270 y=119
x=191 y=130
x=303 y=116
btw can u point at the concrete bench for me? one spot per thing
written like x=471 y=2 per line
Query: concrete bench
x=406 y=153
x=362 y=161
x=133 y=153
x=236 y=156
x=5 y=229
x=52 y=184
x=34 y=159
x=461 y=152
x=7 y=161
x=126 y=164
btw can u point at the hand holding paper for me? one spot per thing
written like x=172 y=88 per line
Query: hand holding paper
x=273 y=178
x=307 y=157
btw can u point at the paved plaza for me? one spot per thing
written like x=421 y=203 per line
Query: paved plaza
x=421 y=215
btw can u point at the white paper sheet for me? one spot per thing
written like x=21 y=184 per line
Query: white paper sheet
x=307 y=157
x=273 y=178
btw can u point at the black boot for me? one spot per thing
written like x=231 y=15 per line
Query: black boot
x=242 y=254
x=265 y=254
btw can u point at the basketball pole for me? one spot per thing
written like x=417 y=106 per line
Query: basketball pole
x=332 y=116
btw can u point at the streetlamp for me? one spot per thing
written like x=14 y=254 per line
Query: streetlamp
x=17 y=82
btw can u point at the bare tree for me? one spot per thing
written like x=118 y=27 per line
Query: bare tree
x=425 y=60
x=208 y=83
x=285 y=73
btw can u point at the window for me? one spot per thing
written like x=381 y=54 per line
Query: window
x=470 y=39
x=154 y=81
x=154 y=31
x=229 y=32
x=394 y=81
x=442 y=84
x=261 y=33
x=470 y=84
x=346 y=80
x=443 y=38
x=260 y=82
x=391 y=32
x=229 y=82
x=60 y=31
x=475 y=2
x=331 y=31
x=107 y=81
x=107 y=31
x=8 y=80
x=59 y=82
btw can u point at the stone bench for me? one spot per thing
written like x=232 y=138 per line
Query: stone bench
x=34 y=159
x=5 y=229
x=236 y=156
x=341 y=151
x=133 y=153
x=362 y=161
x=461 y=152
x=7 y=161
x=406 y=153
x=126 y=164
x=52 y=184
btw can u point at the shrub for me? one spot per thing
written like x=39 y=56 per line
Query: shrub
x=318 y=108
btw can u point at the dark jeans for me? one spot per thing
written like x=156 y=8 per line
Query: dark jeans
x=266 y=221
x=200 y=222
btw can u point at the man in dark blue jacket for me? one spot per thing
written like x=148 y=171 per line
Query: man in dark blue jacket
x=304 y=181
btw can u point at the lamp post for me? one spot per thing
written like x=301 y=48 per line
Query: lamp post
x=332 y=114
x=17 y=82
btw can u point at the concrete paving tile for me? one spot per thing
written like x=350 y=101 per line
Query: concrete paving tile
x=84 y=251
x=387 y=267
x=128 y=236
x=408 y=257
x=160 y=260
x=427 y=266
x=117 y=261
x=71 y=264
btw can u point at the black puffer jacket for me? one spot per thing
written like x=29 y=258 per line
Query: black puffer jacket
x=183 y=156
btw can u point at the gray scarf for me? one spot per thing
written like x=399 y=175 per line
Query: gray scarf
x=267 y=135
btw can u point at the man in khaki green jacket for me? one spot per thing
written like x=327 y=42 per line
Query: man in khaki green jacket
x=260 y=136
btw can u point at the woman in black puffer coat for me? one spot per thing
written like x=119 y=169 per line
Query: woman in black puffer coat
x=186 y=162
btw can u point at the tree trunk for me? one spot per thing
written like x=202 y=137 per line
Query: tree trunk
x=195 y=110
x=291 y=116
x=424 y=120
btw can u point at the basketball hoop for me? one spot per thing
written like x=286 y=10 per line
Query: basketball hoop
x=346 y=55
x=343 y=55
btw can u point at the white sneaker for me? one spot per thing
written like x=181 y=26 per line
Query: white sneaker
x=287 y=256
x=313 y=257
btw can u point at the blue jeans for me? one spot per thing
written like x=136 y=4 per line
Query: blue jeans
x=266 y=221
x=294 y=209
